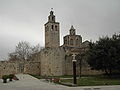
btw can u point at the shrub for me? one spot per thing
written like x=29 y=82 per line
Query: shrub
x=11 y=76
x=5 y=77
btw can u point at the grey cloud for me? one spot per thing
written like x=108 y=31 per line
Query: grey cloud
x=25 y=19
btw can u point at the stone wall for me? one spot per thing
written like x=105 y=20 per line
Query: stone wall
x=7 y=68
x=86 y=70
x=52 y=61
x=10 y=67
x=32 y=68
x=72 y=40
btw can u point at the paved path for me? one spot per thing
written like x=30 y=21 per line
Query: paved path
x=27 y=82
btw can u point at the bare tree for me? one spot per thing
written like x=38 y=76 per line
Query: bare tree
x=24 y=51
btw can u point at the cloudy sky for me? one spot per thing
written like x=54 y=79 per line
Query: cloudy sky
x=23 y=20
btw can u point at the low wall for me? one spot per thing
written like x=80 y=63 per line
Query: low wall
x=32 y=68
x=86 y=70
x=7 y=68
x=14 y=67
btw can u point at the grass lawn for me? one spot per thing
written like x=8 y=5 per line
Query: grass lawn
x=86 y=80
x=40 y=77
x=93 y=81
x=37 y=76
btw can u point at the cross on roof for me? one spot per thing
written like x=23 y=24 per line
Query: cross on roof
x=73 y=56
x=51 y=9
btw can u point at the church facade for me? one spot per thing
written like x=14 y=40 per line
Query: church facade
x=53 y=60
x=56 y=60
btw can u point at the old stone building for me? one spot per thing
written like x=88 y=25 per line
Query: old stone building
x=53 y=60
x=56 y=60
x=52 y=38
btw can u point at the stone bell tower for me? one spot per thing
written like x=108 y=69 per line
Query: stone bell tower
x=52 y=32
x=72 y=40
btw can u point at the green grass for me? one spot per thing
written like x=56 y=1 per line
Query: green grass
x=87 y=80
x=93 y=81
x=40 y=77
x=37 y=76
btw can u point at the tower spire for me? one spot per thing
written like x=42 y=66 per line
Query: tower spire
x=72 y=27
x=51 y=17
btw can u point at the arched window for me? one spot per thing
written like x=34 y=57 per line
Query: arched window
x=56 y=27
x=71 y=41
x=77 y=41
x=65 y=41
x=52 y=27
x=52 y=18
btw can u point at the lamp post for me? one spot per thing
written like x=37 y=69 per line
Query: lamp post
x=74 y=69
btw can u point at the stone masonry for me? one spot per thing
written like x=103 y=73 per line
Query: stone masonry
x=13 y=67
x=52 y=61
